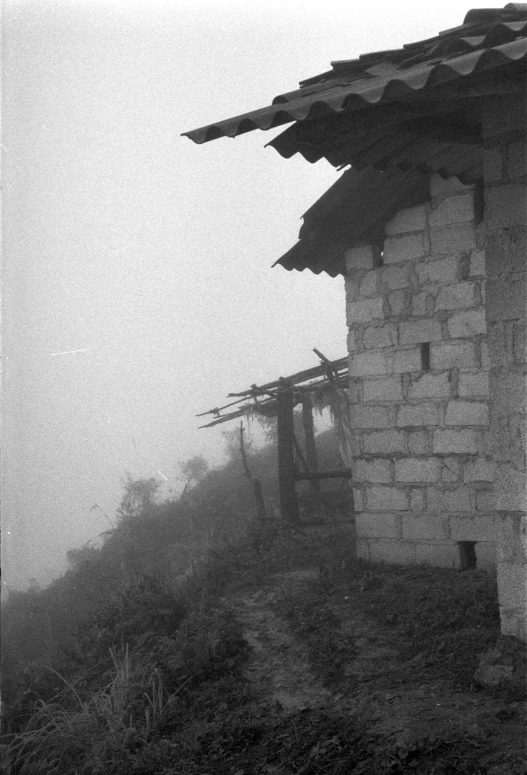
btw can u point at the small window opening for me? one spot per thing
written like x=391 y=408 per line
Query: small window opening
x=425 y=356
x=378 y=255
x=467 y=555
x=479 y=201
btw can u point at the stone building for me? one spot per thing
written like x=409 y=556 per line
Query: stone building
x=428 y=227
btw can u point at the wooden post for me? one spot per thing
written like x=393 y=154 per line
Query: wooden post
x=309 y=434
x=286 y=461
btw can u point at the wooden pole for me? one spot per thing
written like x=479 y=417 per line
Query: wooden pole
x=309 y=434
x=286 y=460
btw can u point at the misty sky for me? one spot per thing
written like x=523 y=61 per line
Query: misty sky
x=148 y=255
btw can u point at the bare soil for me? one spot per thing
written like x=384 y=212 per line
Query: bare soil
x=398 y=695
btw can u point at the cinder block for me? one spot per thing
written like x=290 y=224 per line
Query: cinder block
x=424 y=528
x=419 y=304
x=362 y=416
x=467 y=413
x=384 y=442
x=511 y=537
x=510 y=488
x=368 y=285
x=443 y=270
x=417 y=414
x=457 y=237
x=451 y=469
x=479 y=528
x=385 y=498
x=452 y=209
x=367 y=364
x=377 y=525
x=505 y=205
x=468 y=323
x=456 y=296
x=486 y=556
x=383 y=389
x=359 y=258
x=396 y=277
x=372 y=471
x=477 y=263
x=512 y=587
x=416 y=331
x=418 y=500
x=446 y=186
x=479 y=470
x=438 y=555
x=430 y=386
x=456 y=442
x=358 y=499
x=392 y=552
x=485 y=501
x=418 y=442
x=446 y=355
x=398 y=302
x=399 y=249
x=352 y=341
x=410 y=219
x=364 y=311
x=473 y=384
x=417 y=469
x=492 y=164
x=441 y=500
x=407 y=360
x=380 y=337
x=505 y=299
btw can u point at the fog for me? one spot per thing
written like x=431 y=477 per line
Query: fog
x=137 y=280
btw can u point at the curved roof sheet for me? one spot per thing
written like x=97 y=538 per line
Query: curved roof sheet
x=487 y=40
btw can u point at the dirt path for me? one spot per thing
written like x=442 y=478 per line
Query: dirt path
x=278 y=667
x=396 y=694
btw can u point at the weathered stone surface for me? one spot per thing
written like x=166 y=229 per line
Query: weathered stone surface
x=477 y=263
x=359 y=258
x=467 y=413
x=424 y=528
x=418 y=442
x=380 y=337
x=396 y=276
x=417 y=414
x=455 y=442
x=456 y=296
x=441 y=499
x=398 y=302
x=411 y=219
x=443 y=270
x=362 y=416
x=505 y=205
x=492 y=164
x=384 y=442
x=352 y=341
x=417 y=469
x=379 y=471
x=452 y=209
x=430 y=386
x=479 y=470
x=386 y=499
x=364 y=311
x=417 y=499
x=485 y=501
x=419 y=304
x=380 y=525
x=416 y=331
x=449 y=239
x=399 y=249
x=440 y=554
x=407 y=360
x=480 y=528
x=446 y=355
x=383 y=389
x=512 y=588
x=367 y=364
x=468 y=323
x=506 y=298
x=369 y=283
x=451 y=469
x=505 y=251
x=516 y=160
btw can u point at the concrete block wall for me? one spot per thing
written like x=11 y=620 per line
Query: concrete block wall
x=419 y=374
x=505 y=175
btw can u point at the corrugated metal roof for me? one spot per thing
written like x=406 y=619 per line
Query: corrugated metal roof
x=488 y=40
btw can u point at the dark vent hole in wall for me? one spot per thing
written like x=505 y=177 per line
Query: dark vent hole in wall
x=378 y=255
x=467 y=555
x=425 y=356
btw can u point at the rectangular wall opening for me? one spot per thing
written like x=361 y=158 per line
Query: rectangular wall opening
x=467 y=555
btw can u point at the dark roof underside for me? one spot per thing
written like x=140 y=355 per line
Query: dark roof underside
x=394 y=116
